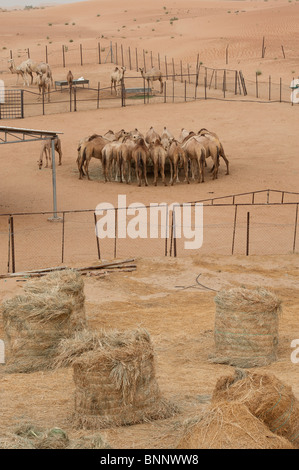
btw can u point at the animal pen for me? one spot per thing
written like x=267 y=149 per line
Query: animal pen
x=181 y=82
x=251 y=223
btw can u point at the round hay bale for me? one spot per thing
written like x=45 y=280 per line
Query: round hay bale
x=69 y=282
x=246 y=327
x=266 y=397
x=33 y=326
x=114 y=375
x=229 y=426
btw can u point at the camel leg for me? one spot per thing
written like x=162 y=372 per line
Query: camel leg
x=186 y=171
x=171 y=173
x=144 y=172
x=226 y=162
x=155 y=173
x=163 y=175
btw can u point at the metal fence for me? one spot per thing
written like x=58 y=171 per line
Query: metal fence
x=12 y=104
x=256 y=223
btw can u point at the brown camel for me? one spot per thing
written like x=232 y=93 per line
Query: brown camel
x=46 y=149
x=177 y=155
x=92 y=149
x=158 y=156
x=124 y=157
x=140 y=154
x=80 y=149
x=151 y=76
x=44 y=85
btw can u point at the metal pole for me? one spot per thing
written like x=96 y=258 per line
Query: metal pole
x=295 y=229
x=98 y=97
x=81 y=56
x=247 y=233
x=12 y=234
x=99 y=52
x=234 y=230
x=97 y=238
x=54 y=179
x=63 y=57
x=46 y=54
x=62 y=237
x=115 y=231
x=9 y=235
x=130 y=58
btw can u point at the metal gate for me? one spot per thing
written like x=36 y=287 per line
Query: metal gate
x=12 y=106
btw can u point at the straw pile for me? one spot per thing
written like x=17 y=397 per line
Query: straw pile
x=246 y=327
x=114 y=375
x=39 y=438
x=266 y=397
x=69 y=282
x=89 y=442
x=229 y=426
x=33 y=326
x=34 y=323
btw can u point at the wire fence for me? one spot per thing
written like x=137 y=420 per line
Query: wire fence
x=257 y=223
x=181 y=81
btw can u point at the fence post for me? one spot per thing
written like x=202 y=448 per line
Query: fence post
x=99 y=52
x=123 y=93
x=256 y=85
x=97 y=238
x=295 y=229
x=43 y=101
x=188 y=72
x=236 y=82
x=166 y=68
x=28 y=53
x=12 y=244
x=205 y=88
x=226 y=54
x=46 y=54
x=63 y=57
x=130 y=63
x=181 y=72
x=173 y=70
x=247 y=233
x=234 y=229
x=22 y=105
x=136 y=59
x=185 y=90
x=81 y=55
x=62 y=238
x=165 y=92
x=75 y=98
x=144 y=61
x=115 y=230
x=71 y=99
x=224 y=82
x=122 y=55
x=10 y=52
x=116 y=58
x=144 y=90
x=98 y=97
x=8 y=259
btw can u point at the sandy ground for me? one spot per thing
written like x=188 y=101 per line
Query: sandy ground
x=261 y=143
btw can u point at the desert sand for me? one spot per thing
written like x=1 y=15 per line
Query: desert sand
x=260 y=140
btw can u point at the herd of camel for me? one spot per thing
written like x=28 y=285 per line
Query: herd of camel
x=120 y=151
x=44 y=78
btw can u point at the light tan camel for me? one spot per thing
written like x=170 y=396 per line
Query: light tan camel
x=215 y=138
x=177 y=155
x=212 y=150
x=116 y=77
x=92 y=149
x=196 y=153
x=70 y=79
x=124 y=157
x=151 y=136
x=135 y=134
x=44 y=85
x=158 y=156
x=166 y=134
x=110 y=159
x=151 y=76
x=140 y=154
x=46 y=149
x=183 y=134
x=39 y=68
x=20 y=70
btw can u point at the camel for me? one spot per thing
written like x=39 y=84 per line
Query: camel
x=196 y=153
x=158 y=156
x=151 y=76
x=212 y=150
x=166 y=134
x=212 y=136
x=70 y=79
x=46 y=149
x=20 y=70
x=183 y=134
x=151 y=136
x=116 y=77
x=80 y=160
x=92 y=148
x=136 y=134
x=124 y=157
x=140 y=154
x=44 y=85
x=39 y=68
x=176 y=155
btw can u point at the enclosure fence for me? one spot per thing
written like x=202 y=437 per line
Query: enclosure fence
x=182 y=82
x=256 y=223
